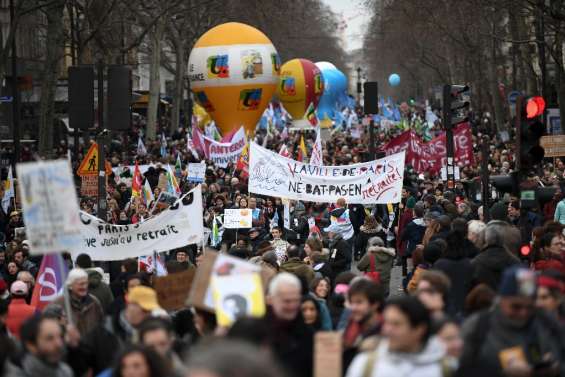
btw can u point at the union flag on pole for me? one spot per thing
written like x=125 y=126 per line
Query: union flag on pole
x=311 y=115
x=302 y=153
x=50 y=280
x=243 y=161
x=137 y=182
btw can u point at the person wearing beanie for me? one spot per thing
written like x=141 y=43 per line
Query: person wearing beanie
x=514 y=338
x=19 y=310
x=86 y=310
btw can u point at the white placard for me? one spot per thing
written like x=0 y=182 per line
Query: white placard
x=196 y=172
x=374 y=182
x=50 y=206
x=237 y=218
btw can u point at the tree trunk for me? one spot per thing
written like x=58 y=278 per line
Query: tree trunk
x=55 y=42
x=178 y=97
x=154 y=79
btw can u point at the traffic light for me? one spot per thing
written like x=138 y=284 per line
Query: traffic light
x=531 y=129
x=455 y=104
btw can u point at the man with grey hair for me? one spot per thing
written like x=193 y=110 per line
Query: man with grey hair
x=475 y=232
x=495 y=257
x=291 y=340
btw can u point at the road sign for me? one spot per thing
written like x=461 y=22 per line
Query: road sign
x=89 y=165
x=512 y=96
x=89 y=185
x=554 y=146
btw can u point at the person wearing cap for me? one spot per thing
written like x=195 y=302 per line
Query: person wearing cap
x=18 y=310
x=87 y=312
x=98 y=348
x=340 y=250
x=550 y=294
x=514 y=338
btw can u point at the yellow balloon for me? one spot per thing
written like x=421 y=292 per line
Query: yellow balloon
x=233 y=71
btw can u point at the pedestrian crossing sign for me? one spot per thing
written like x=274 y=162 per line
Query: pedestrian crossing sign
x=89 y=165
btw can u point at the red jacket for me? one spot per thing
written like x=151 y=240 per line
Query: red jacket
x=18 y=312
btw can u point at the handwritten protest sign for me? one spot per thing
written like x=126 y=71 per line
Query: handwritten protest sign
x=196 y=172
x=327 y=354
x=172 y=290
x=50 y=206
x=373 y=182
x=237 y=218
x=177 y=226
x=214 y=265
x=237 y=296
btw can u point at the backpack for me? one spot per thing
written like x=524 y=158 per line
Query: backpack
x=373 y=274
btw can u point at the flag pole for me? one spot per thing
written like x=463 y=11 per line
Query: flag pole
x=66 y=297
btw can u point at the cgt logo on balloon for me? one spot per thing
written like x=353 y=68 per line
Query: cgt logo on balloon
x=288 y=86
x=249 y=99
x=218 y=67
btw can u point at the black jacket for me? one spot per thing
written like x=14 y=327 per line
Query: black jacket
x=363 y=238
x=292 y=343
x=461 y=273
x=413 y=234
x=340 y=255
x=490 y=263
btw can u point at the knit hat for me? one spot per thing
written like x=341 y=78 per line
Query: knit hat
x=411 y=202
x=518 y=281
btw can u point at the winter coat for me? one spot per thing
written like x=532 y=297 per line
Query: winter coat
x=460 y=273
x=413 y=234
x=341 y=217
x=363 y=238
x=357 y=215
x=292 y=343
x=100 y=347
x=18 y=312
x=32 y=366
x=87 y=312
x=98 y=288
x=384 y=258
x=427 y=363
x=487 y=333
x=297 y=267
x=490 y=264
x=340 y=255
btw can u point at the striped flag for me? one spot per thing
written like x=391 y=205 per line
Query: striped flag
x=178 y=167
x=311 y=115
x=172 y=184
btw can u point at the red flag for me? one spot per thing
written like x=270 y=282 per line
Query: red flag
x=243 y=162
x=50 y=280
x=137 y=182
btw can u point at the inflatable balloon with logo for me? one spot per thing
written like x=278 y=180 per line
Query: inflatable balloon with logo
x=233 y=71
x=300 y=84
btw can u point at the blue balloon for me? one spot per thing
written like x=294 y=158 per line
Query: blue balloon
x=335 y=91
x=394 y=79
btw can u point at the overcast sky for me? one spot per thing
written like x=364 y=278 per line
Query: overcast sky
x=357 y=18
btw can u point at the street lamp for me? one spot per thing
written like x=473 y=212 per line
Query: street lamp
x=359 y=86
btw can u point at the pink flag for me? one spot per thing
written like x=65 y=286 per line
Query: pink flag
x=284 y=151
x=199 y=142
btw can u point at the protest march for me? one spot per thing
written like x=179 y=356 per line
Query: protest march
x=284 y=228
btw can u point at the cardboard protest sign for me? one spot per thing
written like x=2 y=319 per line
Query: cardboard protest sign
x=196 y=172
x=237 y=296
x=374 y=182
x=173 y=289
x=328 y=348
x=214 y=265
x=237 y=218
x=50 y=206
x=177 y=226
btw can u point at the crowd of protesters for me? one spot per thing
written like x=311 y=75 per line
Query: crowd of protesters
x=471 y=300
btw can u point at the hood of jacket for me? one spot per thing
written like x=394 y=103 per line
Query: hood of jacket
x=381 y=250
x=95 y=276
x=432 y=353
x=419 y=221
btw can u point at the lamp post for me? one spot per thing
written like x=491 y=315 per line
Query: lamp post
x=359 y=89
